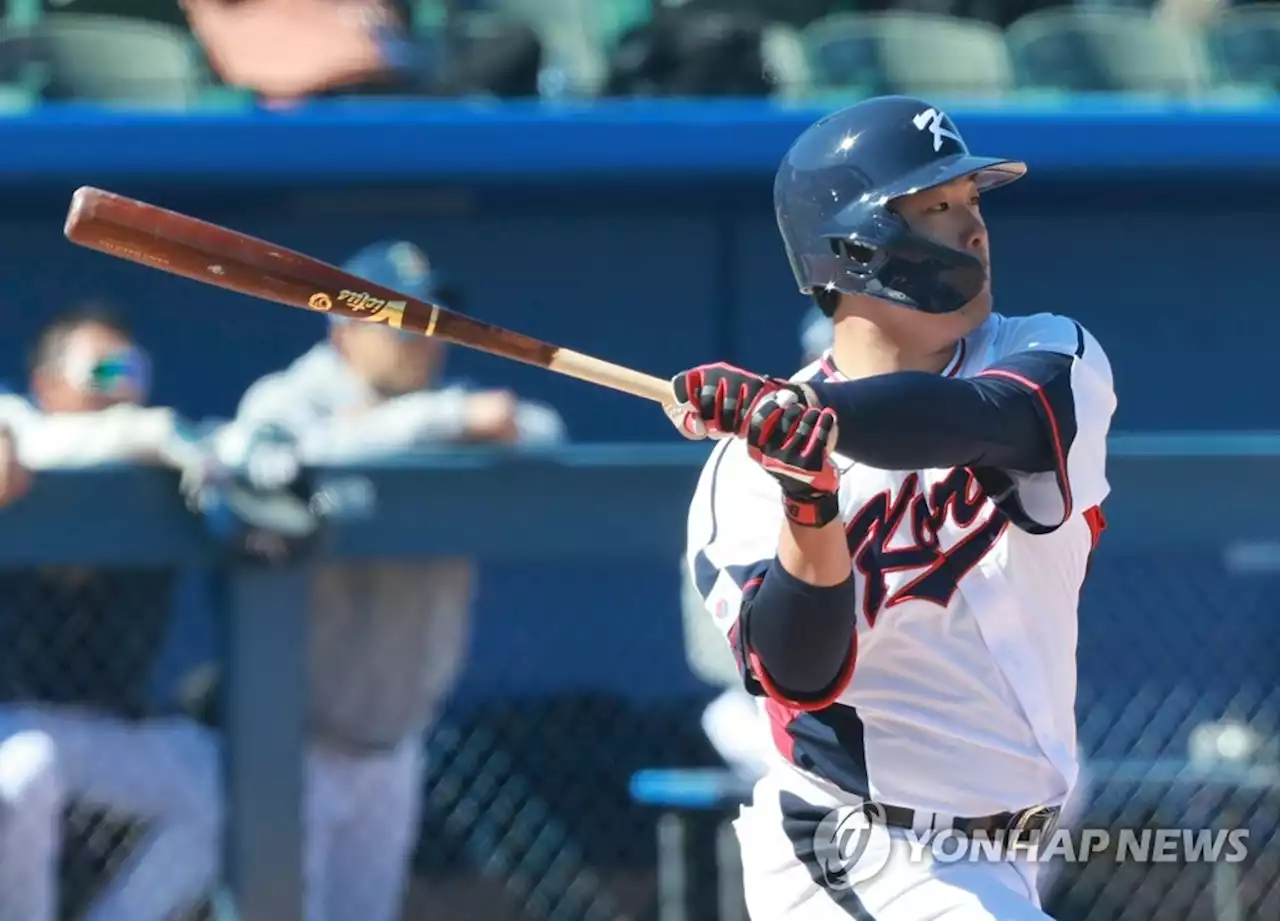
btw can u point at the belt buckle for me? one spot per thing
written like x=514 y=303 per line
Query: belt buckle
x=1021 y=823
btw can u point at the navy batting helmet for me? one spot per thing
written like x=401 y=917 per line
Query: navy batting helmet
x=832 y=196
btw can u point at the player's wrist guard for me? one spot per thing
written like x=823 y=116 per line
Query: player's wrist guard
x=810 y=508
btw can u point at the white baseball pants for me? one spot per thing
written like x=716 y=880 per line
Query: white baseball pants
x=165 y=772
x=30 y=817
x=362 y=816
x=890 y=880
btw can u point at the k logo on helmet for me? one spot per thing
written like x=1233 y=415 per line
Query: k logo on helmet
x=931 y=120
x=851 y=845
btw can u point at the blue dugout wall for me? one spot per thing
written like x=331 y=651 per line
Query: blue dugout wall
x=643 y=232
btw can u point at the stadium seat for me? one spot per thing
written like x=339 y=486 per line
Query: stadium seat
x=913 y=53
x=1244 y=46
x=16 y=98
x=105 y=59
x=1106 y=51
x=29 y=12
x=617 y=16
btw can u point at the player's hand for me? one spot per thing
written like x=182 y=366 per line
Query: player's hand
x=15 y=479
x=490 y=417
x=715 y=401
x=794 y=441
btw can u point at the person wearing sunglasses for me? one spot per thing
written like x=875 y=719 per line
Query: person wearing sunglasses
x=87 y=404
x=89 y=367
x=79 y=726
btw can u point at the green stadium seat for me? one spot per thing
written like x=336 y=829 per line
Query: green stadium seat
x=613 y=17
x=106 y=59
x=1107 y=51
x=428 y=15
x=1244 y=46
x=29 y=12
x=16 y=99
x=905 y=52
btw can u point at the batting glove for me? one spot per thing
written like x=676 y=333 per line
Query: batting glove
x=715 y=401
x=794 y=441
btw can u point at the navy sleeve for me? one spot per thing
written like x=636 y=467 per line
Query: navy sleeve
x=1015 y=415
x=798 y=640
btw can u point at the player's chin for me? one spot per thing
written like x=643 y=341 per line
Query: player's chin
x=975 y=313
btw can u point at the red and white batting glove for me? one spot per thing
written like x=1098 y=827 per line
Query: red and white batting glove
x=794 y=440
x=715 y=401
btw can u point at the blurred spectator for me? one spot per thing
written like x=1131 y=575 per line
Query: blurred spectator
x=388 y=639
x=77 y=653
x=691 y=52
x=89 y=384
x=286 y=51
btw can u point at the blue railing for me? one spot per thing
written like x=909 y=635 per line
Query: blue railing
x=1173 y=494
x=372 y=140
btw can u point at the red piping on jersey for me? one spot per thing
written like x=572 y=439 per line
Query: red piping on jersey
x=1058 y=454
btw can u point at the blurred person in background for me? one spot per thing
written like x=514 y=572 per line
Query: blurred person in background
x=388 y=639
x=288 y=51
x=78 y=647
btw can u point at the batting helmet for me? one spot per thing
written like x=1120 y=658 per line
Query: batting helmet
x=832 y=196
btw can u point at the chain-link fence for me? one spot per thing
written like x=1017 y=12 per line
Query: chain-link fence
x=1178 y=704
x=526 y=812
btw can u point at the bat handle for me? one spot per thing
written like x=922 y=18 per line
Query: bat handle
x=607 y=374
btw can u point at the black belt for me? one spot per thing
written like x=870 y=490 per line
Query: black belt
x=1032 y=823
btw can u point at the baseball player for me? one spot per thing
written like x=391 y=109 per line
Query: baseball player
x=894 y=540
x=388 y=637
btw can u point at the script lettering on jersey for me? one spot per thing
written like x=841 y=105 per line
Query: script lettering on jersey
x=937 y=571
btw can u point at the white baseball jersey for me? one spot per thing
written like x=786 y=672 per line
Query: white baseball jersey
x=961 y=700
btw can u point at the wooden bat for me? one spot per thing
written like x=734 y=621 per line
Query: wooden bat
x=181 y=245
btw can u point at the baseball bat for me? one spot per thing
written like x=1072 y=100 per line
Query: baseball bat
x=182 y=245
